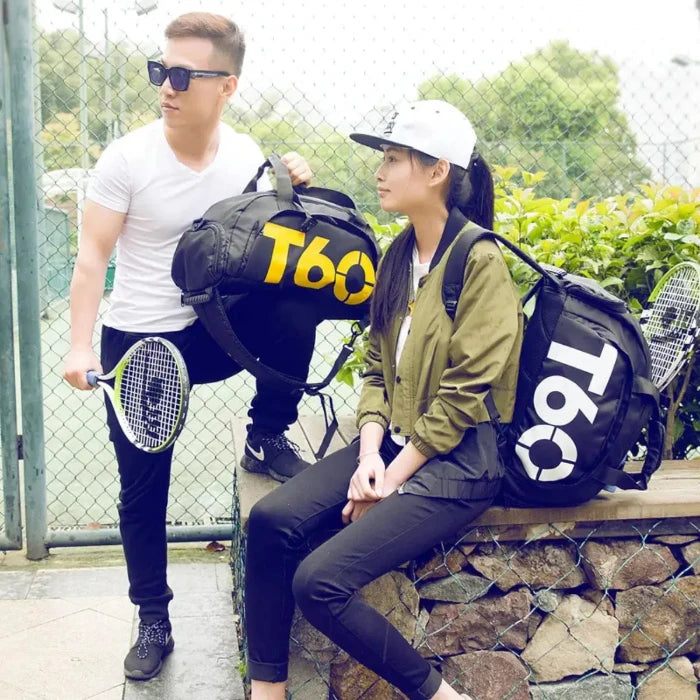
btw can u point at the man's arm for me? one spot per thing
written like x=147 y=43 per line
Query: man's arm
x=100 y=230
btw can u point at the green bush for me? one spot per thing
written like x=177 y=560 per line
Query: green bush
x=625 y=242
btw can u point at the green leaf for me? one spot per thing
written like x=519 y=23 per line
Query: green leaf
x=345 y=376
x=582 y=207
x=612 y=282
x=686 y=227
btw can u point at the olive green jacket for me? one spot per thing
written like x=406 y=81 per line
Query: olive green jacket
x=447 y=367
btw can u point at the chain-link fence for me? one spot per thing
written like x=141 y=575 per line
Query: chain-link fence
x=601 y=103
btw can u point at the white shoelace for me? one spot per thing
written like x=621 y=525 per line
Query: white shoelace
x=155 y=633
x=281 y=442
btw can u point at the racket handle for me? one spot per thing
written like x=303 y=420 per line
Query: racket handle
x=92 y=377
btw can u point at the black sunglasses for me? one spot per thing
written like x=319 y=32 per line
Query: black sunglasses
x=178 y=76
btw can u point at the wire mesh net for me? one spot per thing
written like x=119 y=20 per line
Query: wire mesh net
x=568 y=610
x=601 y=100
x=599 y=108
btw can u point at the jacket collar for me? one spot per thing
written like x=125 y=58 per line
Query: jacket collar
x=456 y=221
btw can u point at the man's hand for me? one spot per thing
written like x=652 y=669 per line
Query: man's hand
x=299 y=169
x=77 y=365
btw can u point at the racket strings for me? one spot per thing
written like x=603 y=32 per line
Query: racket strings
x=670 y=325
x=151 y=394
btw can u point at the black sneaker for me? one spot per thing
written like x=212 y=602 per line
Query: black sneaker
x=272 y=453
x=145 y=658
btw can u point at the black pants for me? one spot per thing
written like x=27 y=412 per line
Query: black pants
x=279 y=570
x=282 y=333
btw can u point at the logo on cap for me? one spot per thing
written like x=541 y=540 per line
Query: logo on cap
x=389 y=128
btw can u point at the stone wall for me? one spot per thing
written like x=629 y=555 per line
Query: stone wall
x=581 y=618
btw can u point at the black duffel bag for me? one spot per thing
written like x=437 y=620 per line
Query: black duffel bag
x=309 y=239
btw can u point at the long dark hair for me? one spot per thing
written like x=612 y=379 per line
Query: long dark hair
x=471 y=191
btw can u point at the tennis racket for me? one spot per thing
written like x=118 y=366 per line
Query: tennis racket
x=150 y=393
x=671 y=321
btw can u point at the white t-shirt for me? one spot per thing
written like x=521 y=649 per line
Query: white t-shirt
x=139 y=174
x=419 y=270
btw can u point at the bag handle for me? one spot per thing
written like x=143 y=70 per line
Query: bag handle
x=285 y=191
x=288 y=194
x=656 y=431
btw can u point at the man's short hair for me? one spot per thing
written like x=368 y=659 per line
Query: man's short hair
x=225 y=35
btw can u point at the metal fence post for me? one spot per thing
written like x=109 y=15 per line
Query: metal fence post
x=19 y=42
x=8 y=405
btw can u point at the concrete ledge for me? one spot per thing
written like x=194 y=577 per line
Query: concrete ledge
x=673 y=495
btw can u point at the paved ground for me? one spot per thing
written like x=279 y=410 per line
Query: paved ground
x=64 y=632
x=66 y=622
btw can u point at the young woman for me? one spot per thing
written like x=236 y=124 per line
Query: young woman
x=426 y=463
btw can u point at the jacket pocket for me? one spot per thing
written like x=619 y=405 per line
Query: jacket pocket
x=472 y=470
x=478 y=455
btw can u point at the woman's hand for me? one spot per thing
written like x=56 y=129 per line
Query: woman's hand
x=370 y=469
x=354 y=510
x=371 y=466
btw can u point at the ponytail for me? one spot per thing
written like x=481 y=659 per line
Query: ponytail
x=471 y=191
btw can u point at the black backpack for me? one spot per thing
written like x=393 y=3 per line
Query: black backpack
x=310 y=239
x=584 y=391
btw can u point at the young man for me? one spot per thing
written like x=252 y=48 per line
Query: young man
x=146 y=189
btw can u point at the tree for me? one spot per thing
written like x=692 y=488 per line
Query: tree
x=59 y=62
x=61 y=141
x=555 y=110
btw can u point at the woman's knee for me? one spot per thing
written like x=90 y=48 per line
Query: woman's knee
x=315 y=588
x=269 y=518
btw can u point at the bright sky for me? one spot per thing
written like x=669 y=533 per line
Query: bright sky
x=349 y=61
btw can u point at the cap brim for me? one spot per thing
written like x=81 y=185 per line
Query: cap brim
x=375 y=142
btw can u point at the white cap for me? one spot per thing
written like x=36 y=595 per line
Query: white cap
x=433 y=127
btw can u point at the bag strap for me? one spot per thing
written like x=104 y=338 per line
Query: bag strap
x=213 y=315
x=216 y=321
x=331 y=425
x=453 y=281
x=452 y=284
